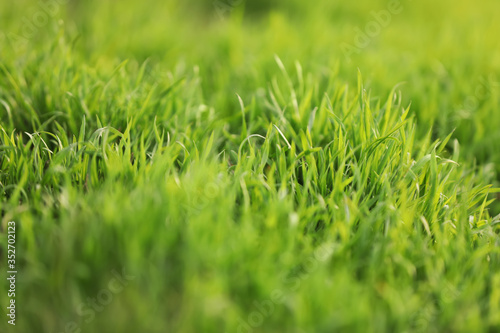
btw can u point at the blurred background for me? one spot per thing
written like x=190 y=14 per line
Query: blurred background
x=444 y=56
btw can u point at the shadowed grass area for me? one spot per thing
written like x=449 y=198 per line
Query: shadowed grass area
x=170 y=169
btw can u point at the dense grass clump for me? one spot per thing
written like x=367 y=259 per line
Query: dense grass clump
x=199 y=178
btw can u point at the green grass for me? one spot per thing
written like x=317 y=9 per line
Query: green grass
x=244 y=175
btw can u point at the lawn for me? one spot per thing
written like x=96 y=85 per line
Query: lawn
x=249 y=166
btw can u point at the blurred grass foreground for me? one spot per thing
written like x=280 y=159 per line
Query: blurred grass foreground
x=250 y=166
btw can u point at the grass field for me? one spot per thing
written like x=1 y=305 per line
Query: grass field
x=258 y=166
